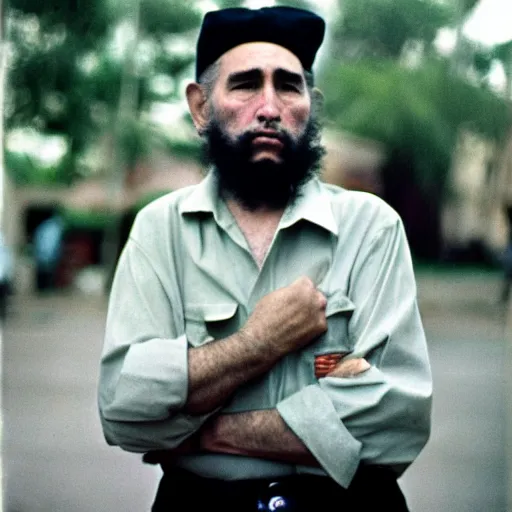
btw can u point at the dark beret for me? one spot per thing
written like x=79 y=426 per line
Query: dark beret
x=297 y=30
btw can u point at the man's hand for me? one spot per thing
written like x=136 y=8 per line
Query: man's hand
x=288 y=319
x=282 y=321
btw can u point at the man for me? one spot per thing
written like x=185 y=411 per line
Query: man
x=48 y=238
x=263 y=340
x=6 y=276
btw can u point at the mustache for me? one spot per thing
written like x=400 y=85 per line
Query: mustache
x=280 y=135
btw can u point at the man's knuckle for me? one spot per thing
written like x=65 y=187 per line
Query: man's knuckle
x=306 y=282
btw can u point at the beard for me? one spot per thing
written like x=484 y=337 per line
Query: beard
x=263 y=183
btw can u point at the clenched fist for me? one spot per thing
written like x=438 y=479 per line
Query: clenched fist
x=288 y=319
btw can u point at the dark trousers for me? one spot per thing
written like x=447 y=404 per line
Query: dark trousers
x=45 y=279
x=4 y=299
x=374 y=488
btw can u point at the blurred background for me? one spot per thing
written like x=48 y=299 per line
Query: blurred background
x=417 y=110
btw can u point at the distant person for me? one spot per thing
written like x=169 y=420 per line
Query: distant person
x=6 y=276
x=263 y=340
x=48 y=240
x=506 y=260
x=507 y=272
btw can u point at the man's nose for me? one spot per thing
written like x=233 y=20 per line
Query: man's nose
x=268 y=111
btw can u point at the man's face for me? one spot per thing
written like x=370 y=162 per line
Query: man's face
x=262 y=136
x=261 y=91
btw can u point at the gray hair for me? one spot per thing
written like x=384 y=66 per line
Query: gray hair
x=209 y=77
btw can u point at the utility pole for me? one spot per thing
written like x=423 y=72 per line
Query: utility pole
x=116 y=173
x=3 y=58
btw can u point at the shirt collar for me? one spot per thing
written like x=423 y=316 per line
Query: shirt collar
x=203 y=198
x=313 y=204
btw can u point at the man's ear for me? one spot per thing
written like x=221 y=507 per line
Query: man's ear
x=198 y=106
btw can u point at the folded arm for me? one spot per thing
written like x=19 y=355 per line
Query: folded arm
x=155 y=390
x=263 y=434
x=143 y=372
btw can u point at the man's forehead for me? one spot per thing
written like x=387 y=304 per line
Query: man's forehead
x=259 y=56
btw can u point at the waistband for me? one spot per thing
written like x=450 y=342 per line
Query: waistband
x=372 y=488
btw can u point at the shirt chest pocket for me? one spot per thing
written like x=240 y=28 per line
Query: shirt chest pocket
x=337 y=339
x=210 y=321
x=297 y=369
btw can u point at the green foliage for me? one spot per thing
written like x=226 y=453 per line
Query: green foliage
x=159 y=17
x=25 y=171
x=64 y=77
x=466 y=5
x=185 y=149
x=86 y=20
x=76 y=220
x=20 y=166
x=138 y=139
x=46 y=90
x=503 y=52
x=371 y=28
x=168 y=16
x=148 y=198
x=417 y=112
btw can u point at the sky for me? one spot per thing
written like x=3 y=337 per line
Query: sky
x=491 y=22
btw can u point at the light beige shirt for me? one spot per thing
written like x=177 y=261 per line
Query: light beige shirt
x=187 y=277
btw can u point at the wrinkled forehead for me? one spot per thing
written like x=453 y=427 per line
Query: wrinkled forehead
x=266 y=57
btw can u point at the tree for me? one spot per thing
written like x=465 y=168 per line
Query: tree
x=44 y=84
x=417 y=112
x=381 y=28
x=65 y=77
x=417 y=115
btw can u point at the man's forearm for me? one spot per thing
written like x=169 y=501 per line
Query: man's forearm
x=261 y=434
x=217 y=369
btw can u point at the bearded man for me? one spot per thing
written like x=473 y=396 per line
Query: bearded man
x=263 y=340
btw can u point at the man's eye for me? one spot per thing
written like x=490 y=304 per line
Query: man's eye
x=289 y=87
x=247 y=86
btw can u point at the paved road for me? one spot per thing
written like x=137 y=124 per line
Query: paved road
x=464 y=466
x=55 y=459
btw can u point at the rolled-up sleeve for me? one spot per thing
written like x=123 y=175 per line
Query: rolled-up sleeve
x=144 y=370
x=381 y=416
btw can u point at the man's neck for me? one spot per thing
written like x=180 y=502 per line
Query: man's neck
x=258 y=226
